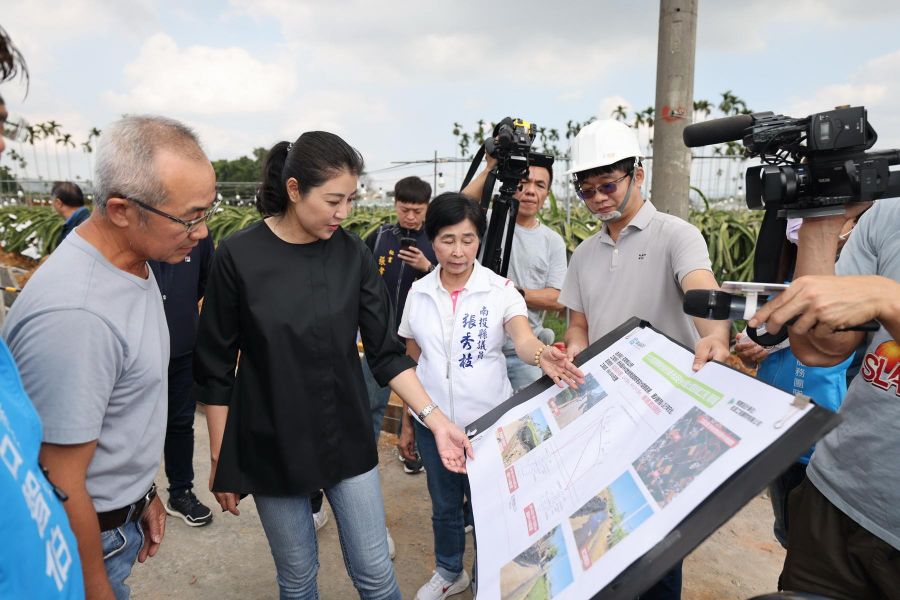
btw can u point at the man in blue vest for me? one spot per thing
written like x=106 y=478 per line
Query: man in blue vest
x=39 y=554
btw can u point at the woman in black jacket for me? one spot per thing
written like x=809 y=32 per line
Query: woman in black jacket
x=288 y=294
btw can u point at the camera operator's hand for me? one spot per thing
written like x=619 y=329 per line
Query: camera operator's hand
x=414 y=258
x=476 y=186
x=828 y=303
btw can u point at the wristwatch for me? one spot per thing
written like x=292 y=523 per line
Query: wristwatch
x=427 y=411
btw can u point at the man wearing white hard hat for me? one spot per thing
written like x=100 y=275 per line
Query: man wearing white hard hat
x=639 y=263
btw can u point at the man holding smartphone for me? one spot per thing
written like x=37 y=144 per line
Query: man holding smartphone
x=403 y=254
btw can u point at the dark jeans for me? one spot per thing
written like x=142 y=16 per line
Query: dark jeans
x=447 y=520
x=779 y=490
x=179 y=445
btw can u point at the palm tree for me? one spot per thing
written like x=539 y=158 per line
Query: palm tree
x=464 y=145
x=46 y=132
x=638 y=120
x=479 y=132
x=731 y=104
x=32 y=134
x=66 y=140
x=702 y=106
x=620 y=113
x=55 y=129
x=94 y=134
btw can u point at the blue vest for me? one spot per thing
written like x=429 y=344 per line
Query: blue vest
x=38 y=552
x=827 y=386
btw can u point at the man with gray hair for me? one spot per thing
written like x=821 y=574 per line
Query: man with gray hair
x=90 y=337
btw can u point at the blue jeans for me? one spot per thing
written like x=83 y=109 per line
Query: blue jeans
x=120 y=550
x=447 y=520
x=378 y=398
x=359 y=512
x=520 y=374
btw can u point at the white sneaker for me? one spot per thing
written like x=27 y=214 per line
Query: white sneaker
x=392 y=548
x=439 y=588
x=320 y=518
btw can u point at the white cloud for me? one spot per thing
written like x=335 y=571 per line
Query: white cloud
x=201 y=80
x=41 y=28
x=876 y=85
x=739 y=26
x=334 y=111
x=369 y=42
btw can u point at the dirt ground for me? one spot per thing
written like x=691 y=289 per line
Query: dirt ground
x=230 y=558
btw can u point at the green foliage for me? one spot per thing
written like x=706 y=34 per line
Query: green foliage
x=730 y=235
x=240 y=169
x=24 y=227
x=362 y=221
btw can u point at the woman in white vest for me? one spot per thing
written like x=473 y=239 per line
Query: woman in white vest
x=455 y=322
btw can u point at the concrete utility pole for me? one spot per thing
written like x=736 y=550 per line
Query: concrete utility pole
x=674 y=105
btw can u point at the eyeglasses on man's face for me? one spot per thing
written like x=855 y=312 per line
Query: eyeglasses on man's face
x=189 y=226
x=606 y=189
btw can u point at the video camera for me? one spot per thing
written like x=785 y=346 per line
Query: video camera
x=812 y=166
x=511 y=145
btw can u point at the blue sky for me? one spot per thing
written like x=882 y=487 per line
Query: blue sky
x=392 y=77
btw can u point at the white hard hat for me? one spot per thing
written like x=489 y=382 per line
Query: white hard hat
x=603 y=143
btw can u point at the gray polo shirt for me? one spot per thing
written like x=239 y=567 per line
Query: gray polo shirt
x=92 y=346
x=537 y=261
x=640 y=275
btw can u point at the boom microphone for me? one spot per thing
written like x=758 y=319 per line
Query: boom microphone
x=716 y=131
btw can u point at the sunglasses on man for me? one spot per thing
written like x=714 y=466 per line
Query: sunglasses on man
x=607 y=189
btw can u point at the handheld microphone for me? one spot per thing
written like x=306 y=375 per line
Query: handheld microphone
x=720 y=306
x=717 y=131
x=717 y=305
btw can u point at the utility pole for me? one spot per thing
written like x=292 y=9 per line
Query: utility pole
x=674 y=105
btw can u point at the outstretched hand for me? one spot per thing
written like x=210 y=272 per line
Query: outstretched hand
x=709 y=348
x=453 y=446
x=560 y=368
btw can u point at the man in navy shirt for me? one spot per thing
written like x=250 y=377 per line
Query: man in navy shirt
x=182 y=286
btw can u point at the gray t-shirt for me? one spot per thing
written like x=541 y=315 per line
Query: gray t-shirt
x=857 y=465
x=538 y=261
x=92 y=346
x=640 y=275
